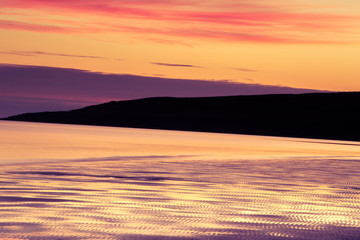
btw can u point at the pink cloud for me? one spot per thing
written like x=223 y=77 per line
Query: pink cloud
x=35 y=27
x=17 y=25
x=219 y=34
x=225 y=20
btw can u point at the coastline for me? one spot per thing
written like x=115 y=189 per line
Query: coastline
x=332 y=116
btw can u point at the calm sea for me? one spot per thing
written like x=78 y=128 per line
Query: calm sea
x=73 y=182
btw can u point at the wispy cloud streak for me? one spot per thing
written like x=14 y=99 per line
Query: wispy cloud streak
x=245 y=70
x=36 y=53
x=175 y=65
x=34 y=27
x=229 y=20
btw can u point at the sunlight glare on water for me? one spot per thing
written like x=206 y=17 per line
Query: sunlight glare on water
x=28 y=142
x=86 y=182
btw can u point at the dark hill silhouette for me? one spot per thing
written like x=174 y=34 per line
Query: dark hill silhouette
x=314 y=115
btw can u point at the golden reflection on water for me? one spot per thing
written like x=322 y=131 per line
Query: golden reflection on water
x=116 y=183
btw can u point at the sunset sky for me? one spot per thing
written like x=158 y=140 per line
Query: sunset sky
x=312 y=44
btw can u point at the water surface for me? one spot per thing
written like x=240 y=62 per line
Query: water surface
x=83 y=182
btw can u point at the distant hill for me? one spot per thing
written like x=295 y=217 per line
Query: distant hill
x=314 y=115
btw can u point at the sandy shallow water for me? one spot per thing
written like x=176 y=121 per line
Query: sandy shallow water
x=184 y=188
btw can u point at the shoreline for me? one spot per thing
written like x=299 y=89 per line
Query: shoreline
x=330 y=116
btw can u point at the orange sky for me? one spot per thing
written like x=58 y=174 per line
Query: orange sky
x=303 y=44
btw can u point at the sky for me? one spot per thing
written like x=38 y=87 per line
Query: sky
x=270 y=44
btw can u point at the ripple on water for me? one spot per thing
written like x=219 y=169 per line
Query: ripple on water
x=270 y=199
